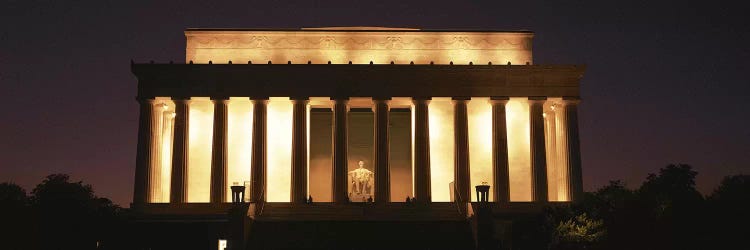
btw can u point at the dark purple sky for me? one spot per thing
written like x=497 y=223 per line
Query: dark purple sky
x=665 y=82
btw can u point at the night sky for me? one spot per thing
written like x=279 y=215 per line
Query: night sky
x=665 y=83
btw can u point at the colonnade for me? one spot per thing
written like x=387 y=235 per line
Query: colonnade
x=381 y=108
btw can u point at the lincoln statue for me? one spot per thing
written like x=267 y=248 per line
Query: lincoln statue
x=361 y=181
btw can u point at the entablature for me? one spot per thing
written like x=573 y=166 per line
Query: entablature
x=356 y=80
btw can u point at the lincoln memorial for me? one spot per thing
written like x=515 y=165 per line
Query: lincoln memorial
x=349 y=124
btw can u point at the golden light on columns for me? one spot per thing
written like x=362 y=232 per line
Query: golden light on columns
x=441 y=147
x=307 y=117
x=166 y=155
x=162 y=149
x=480 y=142
x=240 y=137
x=199 y=149
x=413 y=131
x=279 y=149
x=556 y=144
x=519 y=154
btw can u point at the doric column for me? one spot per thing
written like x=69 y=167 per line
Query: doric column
x=340 y=144
x=219 y=151
x=461 y=177
x=299 y=150
x=422 y=188
x=575 y=172
x=500 y=171
x=538 y=150
x=382 y=147
x=179 y=192
x=144 y=159
x=258 y=162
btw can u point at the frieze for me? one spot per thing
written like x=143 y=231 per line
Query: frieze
x=358 y=47
x=411 y=42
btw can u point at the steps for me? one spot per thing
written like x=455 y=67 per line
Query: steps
x=360 y=235
x=360 y=226
x=360 y=212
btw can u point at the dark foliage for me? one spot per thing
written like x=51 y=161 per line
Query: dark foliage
x=728 y=216
x=14 y=214
x=59 y=214
x=665 y=212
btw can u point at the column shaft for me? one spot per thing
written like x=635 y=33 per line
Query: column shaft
x=382 y=147
x=144 y=160
x=574 y=150
x=422 y=177
x=179 y=191
x=154 y=172
x=538 y=150
x=299 y=150
x=462 y=178
x=258 y=162
x=340 y=130
x=500 y=171
x=219 y=151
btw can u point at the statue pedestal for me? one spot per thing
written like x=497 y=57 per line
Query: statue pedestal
x=359 y=197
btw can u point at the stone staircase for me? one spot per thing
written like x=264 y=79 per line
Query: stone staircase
x=438 y=211
x=360 y=226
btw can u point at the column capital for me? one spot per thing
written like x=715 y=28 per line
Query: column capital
x=571 y=100
x=340 y=98
x=499 y=100
x=181 y=101
x=180 y=98
x=299 y=98
x=219 y=98
x=220 y=101
x=460 y=100
x=141 y=99
x=381 y=98
x=537 y=99
x=386 y=102
x=421 y=99
x=259 y=100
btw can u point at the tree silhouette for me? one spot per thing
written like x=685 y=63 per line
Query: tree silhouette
x=624 y=215
x=15 y=228
x=674 y=186
x=676 y=208
x=733 y=190
x=69 y=215
x=729 y=217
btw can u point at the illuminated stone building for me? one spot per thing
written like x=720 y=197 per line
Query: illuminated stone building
x=290 y=113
